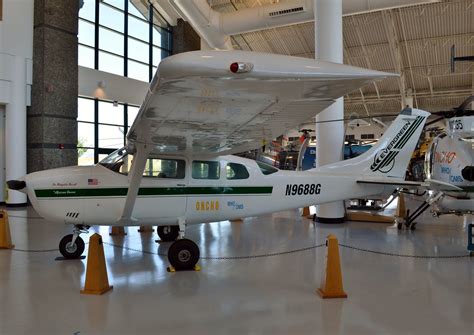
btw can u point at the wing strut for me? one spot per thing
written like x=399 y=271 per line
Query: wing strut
x=135 y=177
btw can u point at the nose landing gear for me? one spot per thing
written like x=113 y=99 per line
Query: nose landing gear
x=72 y=246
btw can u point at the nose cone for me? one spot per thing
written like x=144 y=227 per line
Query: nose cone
x=17 y=185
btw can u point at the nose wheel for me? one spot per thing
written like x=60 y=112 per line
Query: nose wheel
x=72 y=246
x=71 y=249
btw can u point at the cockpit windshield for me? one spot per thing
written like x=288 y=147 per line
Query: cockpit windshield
x=118 y=161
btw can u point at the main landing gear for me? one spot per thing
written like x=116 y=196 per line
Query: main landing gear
x=183 y=254
x=411 y=217
x=72 y=246
x=168 y=233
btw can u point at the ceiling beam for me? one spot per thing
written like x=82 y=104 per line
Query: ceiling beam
x=366 y=56
x=372 y=98
x=395 y=52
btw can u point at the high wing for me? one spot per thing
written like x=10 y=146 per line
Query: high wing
x=197 y=106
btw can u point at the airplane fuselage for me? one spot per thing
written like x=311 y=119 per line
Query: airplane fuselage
x=95 y=195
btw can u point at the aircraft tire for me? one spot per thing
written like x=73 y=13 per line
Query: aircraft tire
x=183 y=254
x=71 y=252
x=168 y=233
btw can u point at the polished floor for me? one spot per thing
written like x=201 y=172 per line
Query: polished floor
x=234 y=294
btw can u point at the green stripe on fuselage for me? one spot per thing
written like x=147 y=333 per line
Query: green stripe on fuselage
x=151 y=191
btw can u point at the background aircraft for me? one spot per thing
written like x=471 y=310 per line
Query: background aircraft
x=450 y=158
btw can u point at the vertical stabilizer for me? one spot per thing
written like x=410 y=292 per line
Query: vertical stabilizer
x=390 y=157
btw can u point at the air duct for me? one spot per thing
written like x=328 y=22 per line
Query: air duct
x=216 y=28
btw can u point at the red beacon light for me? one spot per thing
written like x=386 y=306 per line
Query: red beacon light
x=240 y=67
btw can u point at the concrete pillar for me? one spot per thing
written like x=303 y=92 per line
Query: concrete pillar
x=15 y=131
x=52 y=121
x=185 y=38
x=330 y=136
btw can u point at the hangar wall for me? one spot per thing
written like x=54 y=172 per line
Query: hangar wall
x=16 y=48
x=185 y=38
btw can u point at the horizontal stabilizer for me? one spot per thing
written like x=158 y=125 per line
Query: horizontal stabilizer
x=431 y=184
x=389 y=181
x=439 y=185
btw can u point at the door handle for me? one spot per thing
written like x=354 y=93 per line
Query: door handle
x=182 y=185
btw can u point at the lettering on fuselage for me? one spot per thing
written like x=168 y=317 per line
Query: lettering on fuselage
x=207 y=206
x=302 y=189
x=444 y=157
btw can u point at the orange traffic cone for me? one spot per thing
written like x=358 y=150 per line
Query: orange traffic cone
x=401 y=209
x=146 y=229
x=305 y=212
x=97 y=281
x=117 y=231
x=332 y=283
x=5 y=237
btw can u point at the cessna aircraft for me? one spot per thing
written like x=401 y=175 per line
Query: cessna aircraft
x=177 y=167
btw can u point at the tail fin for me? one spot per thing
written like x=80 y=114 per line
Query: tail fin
x=390 y=157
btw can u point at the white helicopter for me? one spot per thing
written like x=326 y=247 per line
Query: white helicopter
x=450 y=158
x=176 y=168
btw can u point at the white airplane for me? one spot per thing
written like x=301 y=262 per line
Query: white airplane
x=177 y=168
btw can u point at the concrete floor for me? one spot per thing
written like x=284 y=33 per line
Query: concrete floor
x=265 y=295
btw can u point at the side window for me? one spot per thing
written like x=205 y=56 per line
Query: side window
x=127 y=164
x=165 y=168
x=266 y=169
x=205 y=170
x=236 y=171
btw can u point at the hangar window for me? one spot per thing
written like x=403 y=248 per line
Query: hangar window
x=116 y=37
x=205 y=170
x=236 y=171
x=266 y=169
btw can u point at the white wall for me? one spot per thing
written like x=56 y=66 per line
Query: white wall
x=16 y=39
x=116 y=88
x=16 y=29
x=16 y=53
